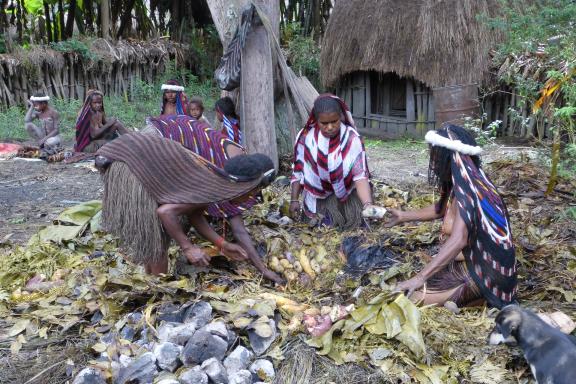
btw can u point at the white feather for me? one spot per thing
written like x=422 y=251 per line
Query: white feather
x=432 y=137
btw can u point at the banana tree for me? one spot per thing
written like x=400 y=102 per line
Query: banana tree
x=560 y=86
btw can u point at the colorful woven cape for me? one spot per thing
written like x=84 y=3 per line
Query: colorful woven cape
x=198 y=137
x=328 y=165
x=231 y=129
x=83 y=121
x=489 y=256
x=173 y=174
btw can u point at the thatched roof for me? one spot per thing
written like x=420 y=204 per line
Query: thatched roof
x=439 y=42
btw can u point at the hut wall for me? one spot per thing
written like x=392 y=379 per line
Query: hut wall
x=114 y=69
x=375 y=101
x=387 y=106
x=515 y=115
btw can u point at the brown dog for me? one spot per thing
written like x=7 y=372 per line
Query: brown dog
x=550 y=353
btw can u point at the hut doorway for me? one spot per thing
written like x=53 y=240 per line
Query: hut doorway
x=387 y=105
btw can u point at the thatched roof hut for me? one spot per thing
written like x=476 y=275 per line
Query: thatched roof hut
x=67 y=70
x=440 y=42
x=431 y=43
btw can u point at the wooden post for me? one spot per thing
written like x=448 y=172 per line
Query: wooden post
x=105 y=18
x=431 y=112
x=410 y=108
x=257 y=88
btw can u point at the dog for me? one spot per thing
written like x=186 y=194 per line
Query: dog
x=550 y=353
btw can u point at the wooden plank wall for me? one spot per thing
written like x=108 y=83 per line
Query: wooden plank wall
x=420 y=114
x=355 y=91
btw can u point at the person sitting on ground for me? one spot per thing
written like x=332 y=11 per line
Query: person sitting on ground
x=196 y=108
x=199 y=184
x=47 y=133
x=226 y=114
x=476 y=260
x=174 y=100
x=93 y=128
x=330 y=168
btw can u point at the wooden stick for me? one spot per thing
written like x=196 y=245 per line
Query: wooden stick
x=44 y=371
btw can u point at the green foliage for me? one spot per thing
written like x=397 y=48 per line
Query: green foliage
x=206 y=49
x=528 y=26
x=567 y=167
x=75 y=46
x=205 y=89
x=483 y=136
x=303 y=53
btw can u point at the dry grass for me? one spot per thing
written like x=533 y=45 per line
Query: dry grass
x=439 y=43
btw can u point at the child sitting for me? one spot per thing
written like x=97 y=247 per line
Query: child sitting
x=196 y=110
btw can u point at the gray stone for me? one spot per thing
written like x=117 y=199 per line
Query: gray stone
x=141 y=370
x=199 y=314
x=128 y=333
x=231 y=337
x=217 y=328
x=166 y=378
x=215 y=371
x=238 y=360
x=134 y=317
x=170 y=313
x=264 y=369
x=203 y=346
x=125 y=360
x=176 y=333
x=167 y=381
x=241 y=377
x=194 y=375
x=261 y=344
x=168 y=356
x=89 y=376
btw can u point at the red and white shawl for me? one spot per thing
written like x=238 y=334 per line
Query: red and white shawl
x=325 y=165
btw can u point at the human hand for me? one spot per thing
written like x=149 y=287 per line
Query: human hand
x=397 y=217
x=272 y=276
x=196 y=256
x=233 y=251
x=294 y=209
x=409 y=286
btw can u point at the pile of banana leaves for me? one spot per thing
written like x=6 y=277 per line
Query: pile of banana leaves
x=73 y=279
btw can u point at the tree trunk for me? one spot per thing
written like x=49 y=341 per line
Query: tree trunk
x=89 y=16
x=126 y=18
x=220 y=10
x=19 y=27
x=69 y=30
x=3 y=17
x=48 y=22
x=105 y=18
x=79 y=18
x=553 y=180
x=257 y=87
x=61 y=25
x=175 y=21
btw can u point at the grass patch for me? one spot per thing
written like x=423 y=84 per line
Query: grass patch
x=396 y=144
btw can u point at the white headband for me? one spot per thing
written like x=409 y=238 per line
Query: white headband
x=170 y=87
x=432 y=137
x=39 y=98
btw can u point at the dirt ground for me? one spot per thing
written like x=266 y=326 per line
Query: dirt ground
x=33 y=193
